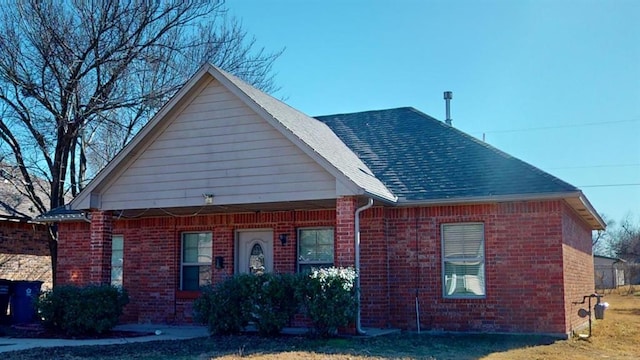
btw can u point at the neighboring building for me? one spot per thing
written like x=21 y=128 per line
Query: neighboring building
x=608 y=272
x=24 y=245
x=226 y=179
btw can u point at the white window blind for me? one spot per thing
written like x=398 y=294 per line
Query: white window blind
x=463 y=260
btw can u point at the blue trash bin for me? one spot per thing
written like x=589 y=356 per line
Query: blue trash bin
x=6 y=288
x=23 y=310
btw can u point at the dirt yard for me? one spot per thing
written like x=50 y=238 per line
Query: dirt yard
x=615 y=337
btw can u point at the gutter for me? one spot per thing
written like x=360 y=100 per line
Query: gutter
x=63 y=214
x=575 y=199
x=491 y=198
x=369 y=204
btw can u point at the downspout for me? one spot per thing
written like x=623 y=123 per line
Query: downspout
x=369 y=204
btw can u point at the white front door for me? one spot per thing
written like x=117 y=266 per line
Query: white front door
x=255 y=251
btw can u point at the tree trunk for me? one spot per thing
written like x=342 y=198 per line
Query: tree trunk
x=53 y=251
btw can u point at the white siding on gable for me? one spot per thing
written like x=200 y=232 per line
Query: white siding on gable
x=218 y=145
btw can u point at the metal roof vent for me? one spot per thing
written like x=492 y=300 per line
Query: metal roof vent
x=448 y=95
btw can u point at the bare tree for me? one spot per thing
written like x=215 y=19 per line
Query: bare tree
x=626 y=240
x=601 y=239
x=625 y=244
x=79 y=78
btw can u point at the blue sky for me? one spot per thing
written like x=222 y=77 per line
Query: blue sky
x=554 y=83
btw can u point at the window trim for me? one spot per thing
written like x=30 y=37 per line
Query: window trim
x=299 y=242
x=183 y=264
x=443 y=259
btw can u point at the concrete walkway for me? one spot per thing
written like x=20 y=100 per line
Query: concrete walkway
x=165 y=332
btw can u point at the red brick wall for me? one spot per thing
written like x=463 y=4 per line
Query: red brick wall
x=374 y=285
x=345 y=235
x=101 y=227
x=400 y=260
x=578 y=267
x=24 y=252
x=23 y=238
x=152 y=255
x=74 y=247
x=523 y=268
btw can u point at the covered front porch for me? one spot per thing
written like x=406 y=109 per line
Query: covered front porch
x=159 y=254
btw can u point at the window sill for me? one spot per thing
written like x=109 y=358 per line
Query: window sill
x=465 y=298
x=188 y=295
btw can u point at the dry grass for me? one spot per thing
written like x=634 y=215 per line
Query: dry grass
x=615 y=337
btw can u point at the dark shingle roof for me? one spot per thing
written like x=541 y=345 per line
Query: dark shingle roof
x=420 y=158
x=62 y=213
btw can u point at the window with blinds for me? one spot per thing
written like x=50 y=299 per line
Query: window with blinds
x=463 y=260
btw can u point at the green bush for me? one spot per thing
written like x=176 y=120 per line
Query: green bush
x=267 y=300
x=226 y=307
x=327 y=296
x=92 y=309
x=328 y=299
x=274 y=304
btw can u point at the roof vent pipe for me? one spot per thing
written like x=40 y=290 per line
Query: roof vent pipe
x=448 y=95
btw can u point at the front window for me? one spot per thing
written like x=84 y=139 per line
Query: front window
x=117 y=260
x=315 y=248
x=196 y=260
x=463 y=260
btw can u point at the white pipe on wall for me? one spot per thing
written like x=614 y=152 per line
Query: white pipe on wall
x=357 y=261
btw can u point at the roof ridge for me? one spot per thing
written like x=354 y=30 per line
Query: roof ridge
x=366 y=111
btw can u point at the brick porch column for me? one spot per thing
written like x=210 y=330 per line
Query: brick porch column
x=100 y=253
x=345 y=233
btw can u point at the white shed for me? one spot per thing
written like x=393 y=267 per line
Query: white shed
x=608 y=272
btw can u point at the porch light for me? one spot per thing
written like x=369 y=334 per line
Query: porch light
x=208 y=199
x=283 y=239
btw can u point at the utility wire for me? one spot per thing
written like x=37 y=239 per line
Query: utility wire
x=610 y=185
x=560 y=126
x=594 y=166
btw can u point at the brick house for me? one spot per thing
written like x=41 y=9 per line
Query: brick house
x=448 y=232
x=24 y=244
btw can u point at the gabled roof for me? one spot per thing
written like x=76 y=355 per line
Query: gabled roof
x=400 y=156
x=423 y=160
x=313 y=137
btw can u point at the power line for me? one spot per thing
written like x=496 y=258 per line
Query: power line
x=609 y=185
x=550 y=127
x=594 y=166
